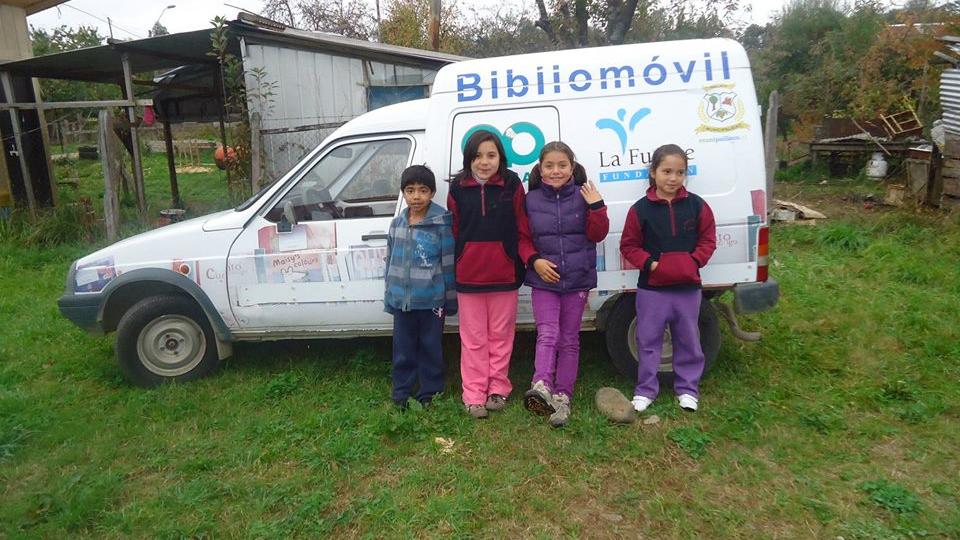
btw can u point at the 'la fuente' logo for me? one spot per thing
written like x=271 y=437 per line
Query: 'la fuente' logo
x=508 y=139
x=631 y=163
x=620 y=126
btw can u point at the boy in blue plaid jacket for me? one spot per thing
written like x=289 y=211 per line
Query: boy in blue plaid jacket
x=420 y=288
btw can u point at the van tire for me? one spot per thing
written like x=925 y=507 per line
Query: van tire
x=620 y=334
x=165 y=338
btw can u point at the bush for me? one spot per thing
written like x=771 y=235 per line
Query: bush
x=803 y=173
x=64 y=224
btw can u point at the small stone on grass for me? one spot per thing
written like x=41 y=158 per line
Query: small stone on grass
x=615 y=406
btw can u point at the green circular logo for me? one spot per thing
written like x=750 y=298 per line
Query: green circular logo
x=506 y=139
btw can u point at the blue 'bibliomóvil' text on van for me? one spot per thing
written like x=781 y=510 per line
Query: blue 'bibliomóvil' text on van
x=471 y=86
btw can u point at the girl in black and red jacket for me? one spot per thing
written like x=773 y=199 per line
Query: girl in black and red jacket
x=493 y=244
x=669 y=235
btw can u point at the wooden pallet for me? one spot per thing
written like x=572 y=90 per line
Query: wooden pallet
x=902 y=124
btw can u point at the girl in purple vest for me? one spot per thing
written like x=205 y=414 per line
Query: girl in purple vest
x=669 y=235
x=567 y=219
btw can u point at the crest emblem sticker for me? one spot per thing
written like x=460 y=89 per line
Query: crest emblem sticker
x=721 y=109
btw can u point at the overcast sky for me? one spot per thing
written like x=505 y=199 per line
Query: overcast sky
x=133 y=18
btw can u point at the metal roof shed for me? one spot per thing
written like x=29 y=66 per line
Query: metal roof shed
x=303 y=83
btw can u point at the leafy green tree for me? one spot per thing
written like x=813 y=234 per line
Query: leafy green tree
x=863 y=62
x=502 y=31
x=407 y=24
x=158 y=30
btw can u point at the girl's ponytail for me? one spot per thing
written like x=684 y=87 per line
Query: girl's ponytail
x=535 y=178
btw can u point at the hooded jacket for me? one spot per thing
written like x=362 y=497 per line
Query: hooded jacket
x=491 y=230
x=420 y=263
x=680 y=234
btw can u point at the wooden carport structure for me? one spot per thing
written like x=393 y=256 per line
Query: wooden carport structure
x=119 y=62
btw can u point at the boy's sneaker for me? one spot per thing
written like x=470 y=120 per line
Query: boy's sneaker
x=538 y=399
x=561 y=403
x=688 y=402
x=640 y=403
x=477 y=411
x=496 y=402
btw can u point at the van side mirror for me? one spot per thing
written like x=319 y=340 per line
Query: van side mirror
x=288 y=219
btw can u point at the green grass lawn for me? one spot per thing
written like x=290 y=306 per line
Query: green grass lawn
x=842 y=421
x=201 y=192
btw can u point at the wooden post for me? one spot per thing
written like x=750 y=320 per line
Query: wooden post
x=108 y=156
x=138 y=186
x=222 y=110
x=435 y=24
x=255 y=151
x=18 y=141
x=171 y=165
x=770 y=143
x=45 y=137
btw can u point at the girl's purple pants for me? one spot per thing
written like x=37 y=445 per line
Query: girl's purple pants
x=681 y=310
x=558 y=317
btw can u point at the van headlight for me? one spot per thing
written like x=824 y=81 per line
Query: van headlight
x=71 y=285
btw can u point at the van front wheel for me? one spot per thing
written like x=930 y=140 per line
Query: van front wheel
x=621 y=338
x=164 y=339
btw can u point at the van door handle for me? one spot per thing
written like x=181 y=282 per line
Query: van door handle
x=378 y=236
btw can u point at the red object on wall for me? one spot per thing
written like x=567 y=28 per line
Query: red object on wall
x=149 y=117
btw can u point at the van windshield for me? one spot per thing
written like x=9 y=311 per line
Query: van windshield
x=246 y=204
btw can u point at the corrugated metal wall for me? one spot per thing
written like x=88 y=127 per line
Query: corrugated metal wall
x=311 y=88
x=950 y=99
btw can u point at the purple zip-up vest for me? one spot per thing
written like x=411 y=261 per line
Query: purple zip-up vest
x=558 y=221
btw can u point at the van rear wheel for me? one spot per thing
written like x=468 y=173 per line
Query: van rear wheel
x=165 y=338
x=621 y=332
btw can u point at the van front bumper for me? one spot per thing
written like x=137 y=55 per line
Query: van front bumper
x=755 y=297
x=82 y=310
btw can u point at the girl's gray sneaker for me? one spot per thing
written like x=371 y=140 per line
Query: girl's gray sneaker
x=496 y=402
x=477 y=411
x=562 y=414
x=538 y=399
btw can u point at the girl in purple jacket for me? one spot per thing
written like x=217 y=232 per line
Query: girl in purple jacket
x=567 y=219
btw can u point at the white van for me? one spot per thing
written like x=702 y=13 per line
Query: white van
x=305 y=257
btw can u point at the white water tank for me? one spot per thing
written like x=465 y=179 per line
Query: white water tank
x=877 y=166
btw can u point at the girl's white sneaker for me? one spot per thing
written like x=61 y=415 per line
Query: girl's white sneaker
x=688 y=402
x=640 y=403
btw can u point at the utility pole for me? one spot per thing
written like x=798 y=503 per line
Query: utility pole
x=435 y=24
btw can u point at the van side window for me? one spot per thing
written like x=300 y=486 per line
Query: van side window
x=353 y=180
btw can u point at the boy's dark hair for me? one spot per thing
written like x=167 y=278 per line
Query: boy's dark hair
x=472 y=148
x=662 y=152
x=418 y=174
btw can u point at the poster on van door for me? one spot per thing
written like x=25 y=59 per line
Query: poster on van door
x=306 y=254
x=522 y=132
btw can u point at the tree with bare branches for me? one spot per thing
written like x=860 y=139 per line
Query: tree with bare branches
x=349 y=18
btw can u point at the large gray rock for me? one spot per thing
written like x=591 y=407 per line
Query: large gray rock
x=615 y=406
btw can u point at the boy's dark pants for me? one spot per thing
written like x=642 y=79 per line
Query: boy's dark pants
x=417 y=354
